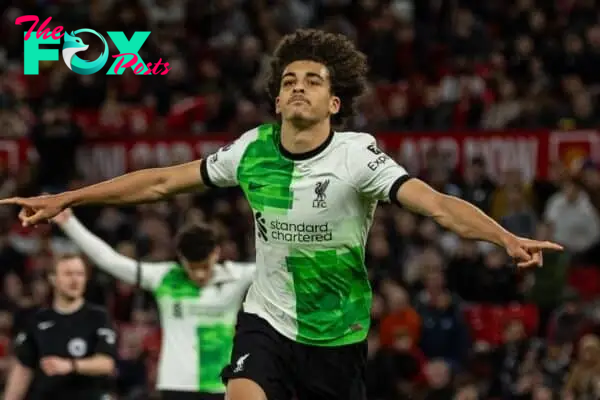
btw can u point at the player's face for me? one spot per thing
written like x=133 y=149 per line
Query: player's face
x=70 y=278
x=201 y=271
x=305 y=96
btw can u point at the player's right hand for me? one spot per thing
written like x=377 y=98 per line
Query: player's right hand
x=35 y=210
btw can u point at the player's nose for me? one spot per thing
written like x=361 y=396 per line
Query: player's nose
x=298 y=88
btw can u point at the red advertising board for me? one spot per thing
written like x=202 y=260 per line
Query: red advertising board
x=529 y=151
x=526 y=151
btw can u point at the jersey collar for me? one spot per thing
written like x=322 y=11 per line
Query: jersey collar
x=306 y=155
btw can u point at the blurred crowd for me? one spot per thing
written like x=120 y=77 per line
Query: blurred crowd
x=452 y=319
x=435 y=64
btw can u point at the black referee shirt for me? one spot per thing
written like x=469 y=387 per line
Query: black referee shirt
x=83 y=333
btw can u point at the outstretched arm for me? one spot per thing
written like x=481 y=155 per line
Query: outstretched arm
x=106 y=258
x=378 y=176
x=148 y=185
x=145 y=185
x=468 y=221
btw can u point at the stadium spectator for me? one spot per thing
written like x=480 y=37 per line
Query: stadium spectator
x=584 y=379
x=569 y=322
x=56 y=139
x=444 y=333
x=401 y=318
x=574 y=220
x=515 y=362
x=439 y=380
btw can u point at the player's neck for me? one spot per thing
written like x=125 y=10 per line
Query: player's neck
x=302 y=140
x=66 y=306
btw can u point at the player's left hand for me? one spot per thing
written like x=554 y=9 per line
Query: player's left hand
x=527 y=252
x=53 y=366
x=62 y=217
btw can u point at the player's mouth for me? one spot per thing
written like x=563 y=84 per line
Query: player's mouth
x=298 y=99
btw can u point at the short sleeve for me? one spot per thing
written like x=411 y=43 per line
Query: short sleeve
x=374 y=173
x=26 y=349
x=220 y=168
x=106 y=337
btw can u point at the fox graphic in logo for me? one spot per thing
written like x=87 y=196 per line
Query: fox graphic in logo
x=73 y=44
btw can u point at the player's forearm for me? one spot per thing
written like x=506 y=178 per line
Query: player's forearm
x=18 y=382
x=469 y=222
x=146 y=185
x=99 y=251
x=109 y=260
x=97 y=365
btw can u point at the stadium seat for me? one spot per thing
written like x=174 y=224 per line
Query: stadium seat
x=586 y=280
x=487 y=322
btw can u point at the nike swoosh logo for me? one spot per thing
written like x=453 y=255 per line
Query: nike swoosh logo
x=255 y=186
x=45 y=325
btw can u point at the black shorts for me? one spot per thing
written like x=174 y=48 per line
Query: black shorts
x=284 y=368
x=178 y=395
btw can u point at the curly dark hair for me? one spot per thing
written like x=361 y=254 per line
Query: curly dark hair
x=347 y=66
x=195 y=242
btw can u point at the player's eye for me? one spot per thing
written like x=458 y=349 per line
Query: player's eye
x=314 y=82
x=287 y=83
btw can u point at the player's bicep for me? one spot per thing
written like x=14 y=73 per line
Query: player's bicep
x=419 y=197
x=106 y=337
x=182 y=178
x=376 y=174
x=25 y=349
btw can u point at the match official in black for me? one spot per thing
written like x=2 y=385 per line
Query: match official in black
x=66 y=352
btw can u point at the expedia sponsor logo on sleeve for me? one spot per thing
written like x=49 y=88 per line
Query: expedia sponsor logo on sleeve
x=381 y=159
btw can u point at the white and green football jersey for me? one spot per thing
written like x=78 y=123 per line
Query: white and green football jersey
x=198 y=323
x=312 y=217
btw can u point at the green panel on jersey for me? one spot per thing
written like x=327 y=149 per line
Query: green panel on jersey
x=216 y=343
x=177 y=285
x=333 y=295
x=264 y=175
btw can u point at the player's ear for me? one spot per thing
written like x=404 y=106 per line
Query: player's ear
x=277 y=108
x=334 y=105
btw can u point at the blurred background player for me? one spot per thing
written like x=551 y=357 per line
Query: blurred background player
x=66 y=351
x=198 y=300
